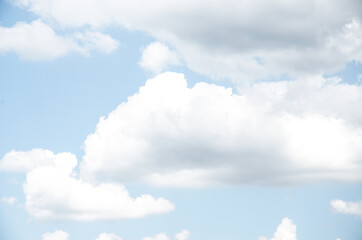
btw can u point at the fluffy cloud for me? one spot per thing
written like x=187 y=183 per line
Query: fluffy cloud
x=38 y=41
x=57 y=235
x=231 y=38
x=20 y=161
x=8 y=200
x=286 y=230
x=156 y=57
x=60 y=235
x=273 y=133
x=52 y=191
x=353 y=208
x=160 y=236
x=108 y=236
x=184 y=235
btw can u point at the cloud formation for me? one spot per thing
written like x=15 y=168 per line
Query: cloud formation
x=273 y=133
x=167 y=134
x=352 y=208
x=20 y=161
x=156 y=57
x=56 y=235
x=160 y=236
x=108 y=236
x=61 y=235
x=53 y=191
x=38 y=41
x=286 y=230
x=183 y=235
x=231 y=38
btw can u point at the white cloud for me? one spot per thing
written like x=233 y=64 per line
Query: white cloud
x=353 y=208
x=38 y=41
x=57 y=235
x=8 y=200
x=286 y=230
x=20 y=161
x=156 y=57
x=108 y=236
x=95 y=41
x=231 y=38
x=160 y=236
x=52 y=191
x=183 y=235
x=274 y=133
x=60 y=235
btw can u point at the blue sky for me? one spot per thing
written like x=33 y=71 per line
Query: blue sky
x=180 y=120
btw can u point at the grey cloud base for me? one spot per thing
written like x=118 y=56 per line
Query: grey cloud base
x=239 y=40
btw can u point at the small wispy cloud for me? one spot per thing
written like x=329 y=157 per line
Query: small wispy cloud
x=8 y=200
x=350 y=208
x=37 y=41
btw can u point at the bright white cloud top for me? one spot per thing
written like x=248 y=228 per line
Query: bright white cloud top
x=56 y=235
x=286 y=230
x=20 y=161
x=108 y=236
x=274 y=133
x=231 y=38
x=352 y=208
x=156 y=57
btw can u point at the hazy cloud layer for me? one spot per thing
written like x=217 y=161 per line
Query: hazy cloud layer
x=8 y=200
x=273 y=133
x=38 y=41
x=231 y=38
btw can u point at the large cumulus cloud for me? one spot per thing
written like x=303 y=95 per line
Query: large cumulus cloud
x=272 y=133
